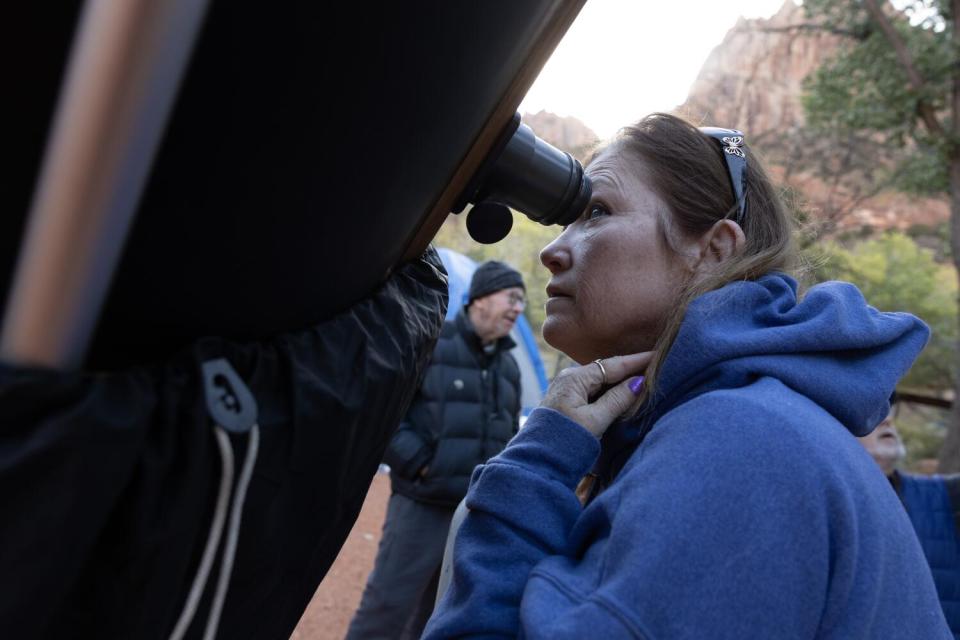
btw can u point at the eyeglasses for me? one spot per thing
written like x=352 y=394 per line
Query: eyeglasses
x=516 y=299
x=732 y=142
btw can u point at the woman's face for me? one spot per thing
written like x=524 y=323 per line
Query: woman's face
x=613 y=280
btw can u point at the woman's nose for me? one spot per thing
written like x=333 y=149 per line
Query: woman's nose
x=556 y=255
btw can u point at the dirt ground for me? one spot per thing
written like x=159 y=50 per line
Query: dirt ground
x=329 y=613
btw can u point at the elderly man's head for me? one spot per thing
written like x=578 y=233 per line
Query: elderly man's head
x=496 y=299
x=884 y=443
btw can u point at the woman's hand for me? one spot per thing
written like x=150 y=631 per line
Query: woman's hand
x=571 y=391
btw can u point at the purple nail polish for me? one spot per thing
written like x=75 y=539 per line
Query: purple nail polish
x=636 y=385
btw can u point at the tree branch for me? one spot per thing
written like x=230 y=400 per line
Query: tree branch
x=925 y=110
x=808 y=26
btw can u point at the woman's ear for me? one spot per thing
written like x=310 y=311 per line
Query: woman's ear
x=724 y=240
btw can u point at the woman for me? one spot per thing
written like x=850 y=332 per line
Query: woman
x=736 y=501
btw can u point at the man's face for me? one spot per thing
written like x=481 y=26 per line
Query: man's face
x=493 y=316
x=884 y=445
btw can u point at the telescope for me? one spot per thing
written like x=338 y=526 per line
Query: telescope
x=283 y=183
x=215 y=249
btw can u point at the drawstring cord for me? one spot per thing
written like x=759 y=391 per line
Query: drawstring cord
x=216 y=531
x=233 y=533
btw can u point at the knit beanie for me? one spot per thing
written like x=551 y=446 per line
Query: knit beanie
x=492 y=276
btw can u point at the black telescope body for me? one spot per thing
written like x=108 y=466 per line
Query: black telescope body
x=270 y=273
x=525 y=173
x=270 y=205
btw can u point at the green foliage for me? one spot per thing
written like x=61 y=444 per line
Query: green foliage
x=864 y=90
x=896 y=274
x=863 y=232
x=936 y=238
x=861 y=88
x=923 y=172
x=864 y=93
x=847 y=15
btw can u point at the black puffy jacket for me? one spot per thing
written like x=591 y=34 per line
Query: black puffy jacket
x=465 y=412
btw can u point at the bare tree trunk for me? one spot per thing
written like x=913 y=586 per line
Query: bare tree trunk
x=950 y=452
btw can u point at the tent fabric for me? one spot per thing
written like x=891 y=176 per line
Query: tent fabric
x=108 y=480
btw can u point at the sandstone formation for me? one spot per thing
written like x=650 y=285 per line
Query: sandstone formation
x=753 y=81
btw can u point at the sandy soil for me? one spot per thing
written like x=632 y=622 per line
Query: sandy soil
x=329 y=613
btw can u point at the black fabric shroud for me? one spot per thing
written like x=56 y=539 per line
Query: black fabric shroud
x=108 y=481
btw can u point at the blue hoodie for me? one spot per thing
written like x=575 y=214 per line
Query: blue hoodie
x=741 y=507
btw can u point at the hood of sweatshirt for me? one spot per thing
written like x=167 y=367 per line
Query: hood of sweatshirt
x=830 y=346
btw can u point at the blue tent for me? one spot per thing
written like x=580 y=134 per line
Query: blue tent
x=533 y=379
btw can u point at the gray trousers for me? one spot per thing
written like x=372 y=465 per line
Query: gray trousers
x=400 y=592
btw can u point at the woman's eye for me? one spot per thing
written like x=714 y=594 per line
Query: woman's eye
x=595 y=211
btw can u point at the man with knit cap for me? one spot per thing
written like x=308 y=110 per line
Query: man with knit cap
x=465 y=412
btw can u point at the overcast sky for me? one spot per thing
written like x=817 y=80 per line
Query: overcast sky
x=622 y=59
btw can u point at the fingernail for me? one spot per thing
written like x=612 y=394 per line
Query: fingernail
x=636 y=385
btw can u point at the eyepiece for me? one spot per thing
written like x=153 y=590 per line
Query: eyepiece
x=539 y=180
x=533 y=177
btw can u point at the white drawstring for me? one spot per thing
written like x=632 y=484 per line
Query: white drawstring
x=216 y=531
x=233 y=533
x=213 y=539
